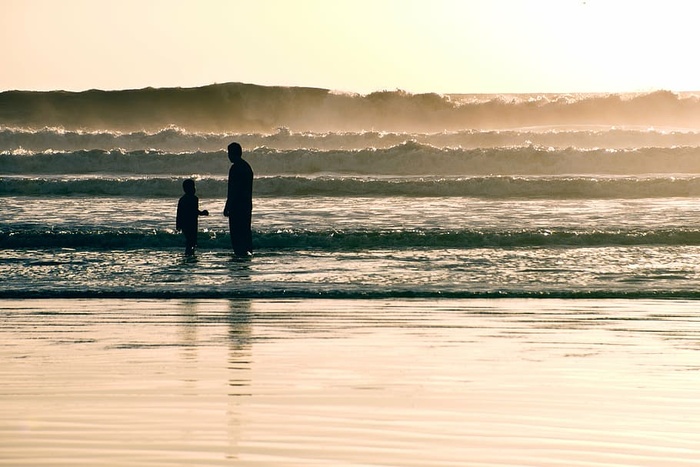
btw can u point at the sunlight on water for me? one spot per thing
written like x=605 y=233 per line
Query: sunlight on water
x=338 y=213
x=353 y=336
x=329 y=246
x=603 y=271
x=274 y=382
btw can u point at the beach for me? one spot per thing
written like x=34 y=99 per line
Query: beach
x=348 y=382
x=481 y=280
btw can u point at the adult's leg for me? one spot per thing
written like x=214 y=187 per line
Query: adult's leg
x=239 y=223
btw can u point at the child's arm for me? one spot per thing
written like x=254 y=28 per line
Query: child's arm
x=196 y=207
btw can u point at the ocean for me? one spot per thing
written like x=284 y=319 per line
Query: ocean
x=437 y=279
x=384 y=195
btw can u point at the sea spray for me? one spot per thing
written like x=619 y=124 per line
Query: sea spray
x=241 y=108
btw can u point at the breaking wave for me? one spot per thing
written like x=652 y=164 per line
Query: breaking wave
x=238 y=107
x=564 y=187
x=345 y=240
x=406 y=159
x=178 y=140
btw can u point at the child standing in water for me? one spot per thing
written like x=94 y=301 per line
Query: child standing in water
x=188 y=215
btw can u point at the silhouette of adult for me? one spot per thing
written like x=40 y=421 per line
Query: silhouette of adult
x=239 y=202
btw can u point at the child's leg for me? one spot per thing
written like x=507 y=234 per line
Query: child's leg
x=190 y=242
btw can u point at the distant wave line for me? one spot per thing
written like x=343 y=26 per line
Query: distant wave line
x=406 y=159
x=17 y=140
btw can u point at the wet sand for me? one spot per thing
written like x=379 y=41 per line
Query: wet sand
x=349 y=382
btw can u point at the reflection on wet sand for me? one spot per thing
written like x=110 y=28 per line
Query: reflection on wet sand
x=351 y=382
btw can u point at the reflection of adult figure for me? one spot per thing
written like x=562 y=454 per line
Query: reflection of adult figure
x=239 y=203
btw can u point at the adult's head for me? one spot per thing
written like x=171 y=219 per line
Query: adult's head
x=234 y=151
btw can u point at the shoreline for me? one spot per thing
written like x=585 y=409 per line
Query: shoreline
x=260 y=382
x=291 y=294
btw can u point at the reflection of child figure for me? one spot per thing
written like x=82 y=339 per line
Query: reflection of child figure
x=187 y=216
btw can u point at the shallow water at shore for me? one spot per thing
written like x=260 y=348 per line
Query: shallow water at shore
x=349 y=382
x=319 y=247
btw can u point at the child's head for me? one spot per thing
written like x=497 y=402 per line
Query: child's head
x=188 y=186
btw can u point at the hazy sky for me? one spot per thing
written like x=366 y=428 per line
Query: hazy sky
x=444 y=46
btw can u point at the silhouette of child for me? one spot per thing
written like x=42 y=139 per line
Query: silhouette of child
x=188 y=215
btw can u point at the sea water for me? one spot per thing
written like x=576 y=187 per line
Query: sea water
x=540 y=196
x=340 y=247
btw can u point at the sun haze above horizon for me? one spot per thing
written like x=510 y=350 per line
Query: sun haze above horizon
x=442 y=46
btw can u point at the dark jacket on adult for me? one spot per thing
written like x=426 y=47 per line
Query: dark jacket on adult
x=239 y=205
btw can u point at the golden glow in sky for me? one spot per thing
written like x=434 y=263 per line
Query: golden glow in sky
x=444 y=46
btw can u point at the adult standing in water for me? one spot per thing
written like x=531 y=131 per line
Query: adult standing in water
x=239 y=202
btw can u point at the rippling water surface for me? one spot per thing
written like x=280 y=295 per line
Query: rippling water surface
x=346 y=382
x=368 y=247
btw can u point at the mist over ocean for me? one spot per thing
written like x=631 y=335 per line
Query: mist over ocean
x=386 y=194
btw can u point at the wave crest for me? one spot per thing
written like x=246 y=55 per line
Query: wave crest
x=496 y=187
x=238 y=107
x=405 y=159
x=346 y=240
